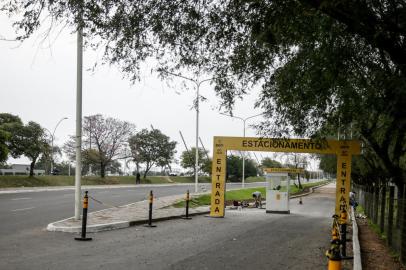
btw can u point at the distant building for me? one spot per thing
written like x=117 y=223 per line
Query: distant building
x=20 y=169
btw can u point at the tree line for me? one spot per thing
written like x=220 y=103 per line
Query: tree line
x=106 y=141
x=324 y=67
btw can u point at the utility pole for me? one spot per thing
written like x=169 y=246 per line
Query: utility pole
x=78 y=168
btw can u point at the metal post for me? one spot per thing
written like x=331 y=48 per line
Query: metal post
x=376 y=203
x=197 y=139
x=52 y=153
x=390 y=214
x=78 y=169
x=243 y=161
x=288 y=190
x=403 y=230
x=187 y=206
x=383 y=206
x=84 y=220
x=151 y=199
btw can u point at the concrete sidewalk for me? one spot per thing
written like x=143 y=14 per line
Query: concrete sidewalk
x=137 y=213
x=127 y=215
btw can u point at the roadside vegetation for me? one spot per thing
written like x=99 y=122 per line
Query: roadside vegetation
x=9 y=181
x=243 y=195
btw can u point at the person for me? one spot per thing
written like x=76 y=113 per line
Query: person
x=257 y=196
x=353 y=201
x=138 y=178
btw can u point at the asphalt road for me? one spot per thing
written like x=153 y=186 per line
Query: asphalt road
x=248 y=239
x=29 y=210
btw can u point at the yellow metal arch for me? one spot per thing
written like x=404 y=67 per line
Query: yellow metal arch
x=343 y=149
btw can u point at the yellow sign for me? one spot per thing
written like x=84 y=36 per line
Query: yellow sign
x=218 y=181
x=343 y=181
x=283 y=170
x=343 y=149
x=286 y=145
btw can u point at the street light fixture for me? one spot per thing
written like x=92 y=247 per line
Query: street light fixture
x=243 y=155
x=197 y=84
x=52 y=142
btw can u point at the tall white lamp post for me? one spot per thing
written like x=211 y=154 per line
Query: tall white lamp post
x=52 y=143
x=243 y=154
x=197 y=83
x=78 y=168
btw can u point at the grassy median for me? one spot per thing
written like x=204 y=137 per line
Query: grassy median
x=244 y=194
x=9 y=181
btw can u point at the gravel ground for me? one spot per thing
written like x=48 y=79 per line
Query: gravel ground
x=375 y=254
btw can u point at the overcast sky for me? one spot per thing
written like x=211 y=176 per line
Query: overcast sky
x=38 y=83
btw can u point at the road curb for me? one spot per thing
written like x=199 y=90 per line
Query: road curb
x=357 y=264
x=112 y=226
x=90 y=228
x=64 y=188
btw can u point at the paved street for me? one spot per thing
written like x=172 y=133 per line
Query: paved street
x=25 y=211
x=249 y=239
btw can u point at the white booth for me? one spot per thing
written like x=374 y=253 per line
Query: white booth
x=277 y=189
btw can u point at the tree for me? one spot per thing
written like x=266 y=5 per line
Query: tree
x=207 y=165
x=4 y=136
x=270 y=163
x=296 y=161
x=188 y=160
x=90 y=157
x=234 y=168
x=152 y=148
x=44 y=161
x=328 y=164
x=29 y=140
x=7 y=122
x=108 y=136
x=296 y=50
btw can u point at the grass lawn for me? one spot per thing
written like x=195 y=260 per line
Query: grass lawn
x=253 y=179
x=240 y=195
x=8 y=181
x=189 y=179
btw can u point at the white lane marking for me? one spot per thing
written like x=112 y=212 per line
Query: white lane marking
x=17 y=199
x=22 y=209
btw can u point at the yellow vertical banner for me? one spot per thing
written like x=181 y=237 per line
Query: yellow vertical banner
x=343 y=181
x=218 y=179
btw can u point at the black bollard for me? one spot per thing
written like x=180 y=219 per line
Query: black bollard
x=187 y=206
x=343 y=233
x=151 y=199
x=84 y=220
